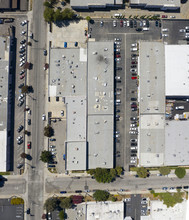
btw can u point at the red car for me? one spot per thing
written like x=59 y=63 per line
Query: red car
x=29 y=144
x=118 y=55
x=133 y=106
x=121 y=23
x=134 y=62
x=164 y=16
x=22 y=76
x=134 y=77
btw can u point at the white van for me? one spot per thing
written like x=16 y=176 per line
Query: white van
x=145 y=29
x=133 y=148
x=134 y=49
x=118 y=100
x=179 y=107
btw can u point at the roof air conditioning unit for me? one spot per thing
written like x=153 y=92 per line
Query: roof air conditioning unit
x=94 y=53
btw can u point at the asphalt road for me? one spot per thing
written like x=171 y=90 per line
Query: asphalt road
x=130 y=183
x=37 y=78
x=13 y=187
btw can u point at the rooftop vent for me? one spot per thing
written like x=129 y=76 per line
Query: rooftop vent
x=105 y=84
x=97 y=100
x=105 y=49
x=94 y=53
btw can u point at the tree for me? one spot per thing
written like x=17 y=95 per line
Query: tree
x=51 y=204
x=66 y=203
x=119 y=170
x=142 y=172
x=62 y=215
x=114 y=199
x=48 y=14
x=91 y=172
x=67 y=14
x=113 y=173
x=171 y=199
x=88 y=18
x=27 y=65
x=23 y=155
x=17 y=201
x=46 y=156
x=47 y=4
x=101 y=195
x=164 y=170
x=180 y=172
x=57 y=15
x=103 y=175
x=48 y=131
x=25 y=89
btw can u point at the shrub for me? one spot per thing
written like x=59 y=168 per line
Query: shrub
x=17 y=201
x=180 y=172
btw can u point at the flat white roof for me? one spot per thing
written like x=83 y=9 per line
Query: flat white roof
x=177 y=70
x=76 y=156
x=3 y=150
x=177 y=143
x=105 y=210
x=76 y=118
x=160 y=211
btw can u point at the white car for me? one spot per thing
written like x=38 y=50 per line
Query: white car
x=117 y=77
x=165 y=35
x=23 y=32
x=134 y=45
x=62 y=112
x=43 y=117
x=21 y=64
x=117 y=135
x=53 y=153
x=128 y=23
x=23 y=22
x=132 y=125
x=52 y=149
x=144 y=23
x=187 y=27
x=165 y=29
x=52 y=146
x=132 y=132
x=182 y=30
x=172 y=16
x=117 y=50
x=29 y=112
x=132 y=161
x=114 y=23
x=133 y=129
x=117 y=42
x=124 y=23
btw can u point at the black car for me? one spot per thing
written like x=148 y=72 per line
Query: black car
x=133 y=99
x=133 y=66
x=179 y=187
x=135 y=23
x=185 y=187
x=78 y=191
x=157 y=23
x=133 y=151
x=131 y=23
x=139 y=29
x=28 y=211
x=29 y=121
x=20 y=128
x=52 y=139
x=133 y=118
x=133 y=55
x=118 y=68
x=133 y=144
x=21 y=85
x=45 y=52
x=147 y=23
x=23 y=41
x=133 y=155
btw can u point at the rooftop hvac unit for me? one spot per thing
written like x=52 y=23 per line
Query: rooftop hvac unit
x=105 y=121
x=156 y=108
x=97 y=100
x=148 y=95
x=157 y=155
x=95 y=155
x=105 y=49
x=96 y=78
x=94 y=53
x=97 y=132
x=105 y=84
x=104 y=93
x=104 y=163
x=148 y=134
x=97 y=122
x=73 y=86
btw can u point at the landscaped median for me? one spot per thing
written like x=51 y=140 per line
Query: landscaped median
x=143 y=172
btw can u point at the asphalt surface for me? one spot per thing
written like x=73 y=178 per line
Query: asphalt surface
x=127 y=183
x=128 y=86
x=37 y=78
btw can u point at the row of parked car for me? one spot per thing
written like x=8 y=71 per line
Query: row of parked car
x=132 y=23
x=52 y=149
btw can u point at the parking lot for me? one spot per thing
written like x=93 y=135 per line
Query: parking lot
x=8 y=211
x=20 y=80
x=126 y=84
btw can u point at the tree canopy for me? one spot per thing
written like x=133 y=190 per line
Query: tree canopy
x=51 y=204
x=180 y=172
x=101 y=195
x=66 y=203
x=48 y=14
x=164 y=170
x=62 y=215
x=46 y=156
x=25 y=89
x=48 y=131
x=142 y=172
x=23 y=155
x=171 y=199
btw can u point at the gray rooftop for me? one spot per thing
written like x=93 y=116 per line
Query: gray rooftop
x=76 y=156
x=160 y=3
x=5 y=4
x=152 y=77
x=100 y=104
x=67 y=72
x=95 y=3
x=100 y=138
x=177 y=143
x=151 y=103
x=76 y=118
x=4 y=71
x=100 y=78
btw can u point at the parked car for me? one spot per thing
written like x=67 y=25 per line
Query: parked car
x=134 y=77
x=22 y=76
x=45 y=52
x=29 y=121
x=164 y=16
x=52 y=139
x=20 y=128
x=21 y=85
x=29 y=144
x=43 y=117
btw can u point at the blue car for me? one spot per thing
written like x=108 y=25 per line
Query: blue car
x=76 y=44
x=64 y=156
x=65 y=44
